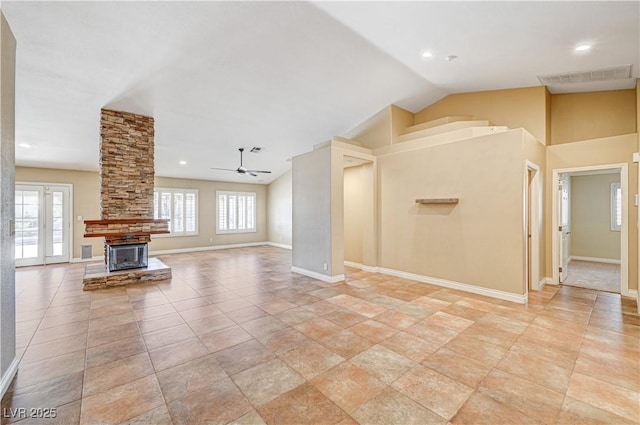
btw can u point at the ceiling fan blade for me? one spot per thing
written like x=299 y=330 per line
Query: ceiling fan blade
x=258 y=171
x=252 y=173
x=222 y=169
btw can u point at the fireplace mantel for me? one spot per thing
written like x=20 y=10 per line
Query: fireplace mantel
x=121 y=227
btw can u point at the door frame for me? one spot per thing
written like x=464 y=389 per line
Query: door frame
x=71 y=212
x=624 y=229
x=532 y=223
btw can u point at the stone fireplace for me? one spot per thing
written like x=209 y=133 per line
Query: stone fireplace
x=126 y=203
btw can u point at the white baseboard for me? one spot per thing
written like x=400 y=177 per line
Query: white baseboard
x=207 y=248
x=353 y=264
x=494 y=293
x=363 y=267
x=87 y=260
x=279 y=245
x=194 y=249
x=319 y=276
x=549 y=281
x=631 y=293
x=8 y=376
x=595 y=259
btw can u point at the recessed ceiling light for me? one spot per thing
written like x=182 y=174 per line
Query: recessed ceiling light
x=583 y=48
x=427 y=55
x=183 y=163
x=24 y=145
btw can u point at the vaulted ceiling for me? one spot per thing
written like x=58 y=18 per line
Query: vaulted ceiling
x=284 y=76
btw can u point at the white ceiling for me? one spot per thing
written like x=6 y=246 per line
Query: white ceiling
x=284 y=76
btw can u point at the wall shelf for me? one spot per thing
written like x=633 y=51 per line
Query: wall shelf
x=438 y=201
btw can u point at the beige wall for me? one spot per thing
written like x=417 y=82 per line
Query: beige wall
x=279 y=209
x=375 y=131
x=207 y=215
x=515 y=108
x=609 y=150
x=400 y=120
x=353 y=213
x=591 y=234
x=478 y=241
x=584 y=116
x=86 y=203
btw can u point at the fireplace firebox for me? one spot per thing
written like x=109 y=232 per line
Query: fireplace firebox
x=130 y=256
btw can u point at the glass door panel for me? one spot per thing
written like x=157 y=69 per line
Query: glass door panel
x=42 y=224
x=29 y=225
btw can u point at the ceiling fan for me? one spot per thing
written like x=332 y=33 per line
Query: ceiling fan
x=242 y=169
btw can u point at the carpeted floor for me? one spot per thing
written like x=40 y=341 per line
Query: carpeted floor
x=590 y=275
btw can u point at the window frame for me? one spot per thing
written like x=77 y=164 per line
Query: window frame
x=185 y=193
x=227 y=193
x=616 y=207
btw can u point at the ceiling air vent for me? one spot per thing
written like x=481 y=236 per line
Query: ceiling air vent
x=608 y=74
x=256 y=149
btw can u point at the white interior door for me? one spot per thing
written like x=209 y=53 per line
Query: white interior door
x=42 y=224
x=564 y=226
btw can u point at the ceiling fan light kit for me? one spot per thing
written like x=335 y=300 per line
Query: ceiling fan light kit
x=242 y=169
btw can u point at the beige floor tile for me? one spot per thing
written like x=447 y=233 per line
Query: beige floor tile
x=311 y=359
x=302 y=405
x=182 y=380
x=463 y=369
x=603 y=395
x=384 y=364
x=348 y=386
x=481 y=409
x=123 y=402
x=392 y=407
x=433 y=390
x=218 y=403
x=531 y=399
x=266 y=381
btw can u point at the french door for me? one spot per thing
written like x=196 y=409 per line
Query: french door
x=42 y=224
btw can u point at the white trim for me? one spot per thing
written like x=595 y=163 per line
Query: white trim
x=624 y=233
x=86 y=260
x=532 y=209
x=206 y=248
x=370 y=269
x=323 y=277
x=542 y=282
x=631 y=293
x=8 y=376
x=353 y=264
x=595 y=260
x=493 y=293
x=194 y=249
x=279 y=245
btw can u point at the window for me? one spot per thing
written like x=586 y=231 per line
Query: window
x=180 y=206
x=616 y=207
x=236 y=212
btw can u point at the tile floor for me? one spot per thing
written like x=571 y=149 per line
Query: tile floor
x=591 y=275
x=235 y=337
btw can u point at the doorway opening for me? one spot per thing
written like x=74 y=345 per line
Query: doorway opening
x=590 y=237
x=359 y=213
x=42 y=224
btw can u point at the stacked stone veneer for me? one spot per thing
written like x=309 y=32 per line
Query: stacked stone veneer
x=126 y=179
x=126 y=165
x=126 y=192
